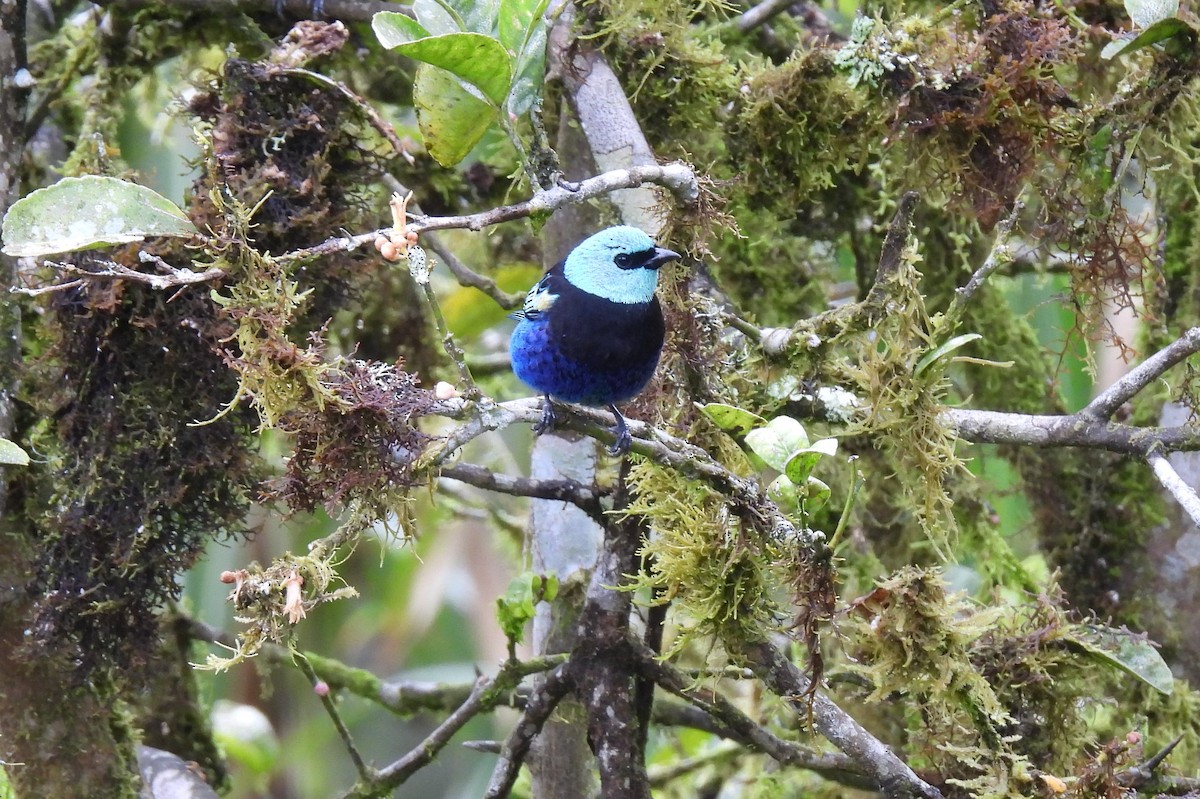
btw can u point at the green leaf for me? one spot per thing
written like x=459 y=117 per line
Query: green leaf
x=518 y=605
x=945 y=349
x=85 y=212
x=477 y=59
x=1158 y=32
x=437 y=18
x=518 y=19
x=12 y=455
x=245 y=735
x=784 y=493
x=1145 y=13
x=451 y=120
x=779 y=440
x=731 y=418
x=530 y=72
x=816 y=494
x=1125 y=650
x=801 y=464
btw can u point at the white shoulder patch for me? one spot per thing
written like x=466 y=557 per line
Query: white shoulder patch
x=539 y=299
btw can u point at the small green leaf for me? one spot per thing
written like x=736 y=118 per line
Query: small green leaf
x=779 y=440
x=477 y=59
x=1158 y=32
x=517 y=21
x=518 y=605
x=245 y=735
x=530 y=72
x=935 y=355
x=451 y=120
x=784 y=493
x=816 y=494
x=1125 y=650
x=801 y=464
x=91 y=211
x=731 y=418
x=12 y=455
x=1145 y=13
x=437 y=18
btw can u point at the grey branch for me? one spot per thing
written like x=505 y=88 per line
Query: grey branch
x=892 y=775
x=678 y=178
x=109 y=270
x=538 y=707
x=1170 y=479
x=760 y=14
x=571 y=491
x=732 y=723
x=1145 y=373
x=1074 y=430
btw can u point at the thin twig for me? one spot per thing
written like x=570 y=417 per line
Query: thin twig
x=584 y=497
x=467 y=277
x=659 y=777
x=538 y=707
x=996 y=258
x=381 y=125
x=678 y=178
x=1184 y=494
x=1140 y=775
x=1104 y=405
x=485 y=694
x=111 y=270
x=365 y=772
x=760 y=14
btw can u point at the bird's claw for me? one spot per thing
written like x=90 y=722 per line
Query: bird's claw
x=621 y=430
x=548 y=420
x=624 y=440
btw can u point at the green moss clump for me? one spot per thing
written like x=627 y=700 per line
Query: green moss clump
x=800 y=128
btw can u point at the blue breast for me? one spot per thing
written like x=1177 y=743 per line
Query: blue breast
x=539 y=360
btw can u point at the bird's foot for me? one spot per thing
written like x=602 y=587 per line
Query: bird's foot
x=548 y=420
x=621 y=431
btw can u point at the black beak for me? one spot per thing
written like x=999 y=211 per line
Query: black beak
x=661 y=256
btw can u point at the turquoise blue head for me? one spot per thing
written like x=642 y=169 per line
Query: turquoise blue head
x=619 y=264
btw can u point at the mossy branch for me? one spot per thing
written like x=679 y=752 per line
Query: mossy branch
x=677 y=178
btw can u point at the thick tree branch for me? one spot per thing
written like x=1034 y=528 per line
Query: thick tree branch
x=1170 y=479
x=538 y=707
x=1104 y=405
x=892 y=775
x=732 y=723
x=1074 y=430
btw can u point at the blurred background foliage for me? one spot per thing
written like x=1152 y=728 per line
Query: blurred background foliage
x=825 y=163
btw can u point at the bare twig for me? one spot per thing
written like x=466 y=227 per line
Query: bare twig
x=365 y=772
x=1104 y=405
x=571 y=491
x=1184 y=494
x=173 y=277
x=760 y=14
x=485 y=694
x=1140 y=775
x=678 y=178
x=539 y=706
x=996 y=258
x=870 y=755
x=467 y=277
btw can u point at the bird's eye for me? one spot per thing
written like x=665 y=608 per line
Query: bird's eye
x=623 y=259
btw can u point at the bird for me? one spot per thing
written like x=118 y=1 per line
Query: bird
x=591 y=330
